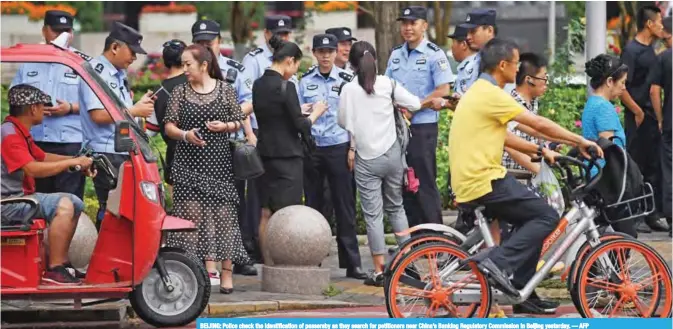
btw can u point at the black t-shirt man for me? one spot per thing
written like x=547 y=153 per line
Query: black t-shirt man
x=163 y=93
x=640 y=59
x=660 y=75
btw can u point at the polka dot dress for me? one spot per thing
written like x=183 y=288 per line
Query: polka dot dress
x=204 y=190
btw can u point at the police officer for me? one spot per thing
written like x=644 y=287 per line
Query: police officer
x=481 y=27
x=207 y=33
x=423 y=69
x=121 y=47
x=259 y=59
x=60 y=132
x=322 y=82
x=464 y=55
x=345 y=38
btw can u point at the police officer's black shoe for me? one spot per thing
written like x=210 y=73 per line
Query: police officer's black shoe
x=245 y=269
x=641 y=227
x=356 y=273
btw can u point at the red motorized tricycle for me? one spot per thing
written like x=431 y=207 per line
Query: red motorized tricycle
x=166 y=286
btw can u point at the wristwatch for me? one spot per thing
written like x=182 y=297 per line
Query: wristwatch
x=70 y=110
x=540 y=147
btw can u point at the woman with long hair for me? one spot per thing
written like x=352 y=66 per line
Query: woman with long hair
x=280 y=121
x=201 y=114
x=367 y=112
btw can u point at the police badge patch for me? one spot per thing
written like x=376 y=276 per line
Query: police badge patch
x=32 y=74
x=248 y=83
x=312 y=87
x=443 y=64
x=99 y=68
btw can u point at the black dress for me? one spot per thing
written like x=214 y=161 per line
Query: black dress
x=281 y=126
x=204 y=190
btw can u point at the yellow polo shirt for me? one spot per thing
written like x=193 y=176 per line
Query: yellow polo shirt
x=477 y=138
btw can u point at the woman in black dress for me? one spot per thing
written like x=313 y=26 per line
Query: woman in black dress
x=201 y=114
x=281 y=128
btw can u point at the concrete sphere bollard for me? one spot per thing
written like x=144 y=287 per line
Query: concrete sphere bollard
x=298 y=236
x=82 y=244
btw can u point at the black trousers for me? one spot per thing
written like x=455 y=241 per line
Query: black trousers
x=103 y=187
x=64 y=182
x=666 y=181
x=249 y=213
x=533 y=220
x=644 y=144
x=426 y=205
x=331 y=162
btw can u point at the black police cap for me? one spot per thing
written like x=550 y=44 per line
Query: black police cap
x=479 y=17
x=129 y=36
x=325 y=41
x=341 y=33
x=459 y=33
x=205 y=29
x=58 y=19
x=413 y=13
x=278 y=23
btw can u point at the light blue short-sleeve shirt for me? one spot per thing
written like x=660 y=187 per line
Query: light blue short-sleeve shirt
x=100 y=138
x=420 y=71
x=61 y=83
x=314 y=87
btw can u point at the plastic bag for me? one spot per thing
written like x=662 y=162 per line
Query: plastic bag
x=546 y=184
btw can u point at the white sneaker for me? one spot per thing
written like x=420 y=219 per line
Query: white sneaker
x=214 y=278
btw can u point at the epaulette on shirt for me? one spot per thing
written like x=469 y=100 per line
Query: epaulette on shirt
x=310 y=70
x=256 y=52
x=433 y=46
x=346 y=76
x=398 y=46
x=236 y=65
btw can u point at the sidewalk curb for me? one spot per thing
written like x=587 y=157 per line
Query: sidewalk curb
x=238 y=308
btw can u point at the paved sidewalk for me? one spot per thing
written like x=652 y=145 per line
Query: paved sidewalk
x=342 y=293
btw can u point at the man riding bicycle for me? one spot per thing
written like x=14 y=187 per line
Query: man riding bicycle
x=22 y=162
x=476 y=141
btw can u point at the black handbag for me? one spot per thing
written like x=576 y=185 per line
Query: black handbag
x=247 y=163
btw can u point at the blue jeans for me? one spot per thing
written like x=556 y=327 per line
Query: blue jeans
x=47 y=205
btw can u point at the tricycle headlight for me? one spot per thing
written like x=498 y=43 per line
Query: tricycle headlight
x=150 y=191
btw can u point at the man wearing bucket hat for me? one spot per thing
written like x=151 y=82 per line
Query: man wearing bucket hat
x=421 y=67
x=322 y=83
x=60 y=132
x=22 y=161
x=121 y=47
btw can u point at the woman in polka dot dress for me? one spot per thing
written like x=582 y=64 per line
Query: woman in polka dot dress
x=201 y=114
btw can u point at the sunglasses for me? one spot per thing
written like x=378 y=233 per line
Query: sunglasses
x=176 y=44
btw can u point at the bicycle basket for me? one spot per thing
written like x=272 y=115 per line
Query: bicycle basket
x=622 y=190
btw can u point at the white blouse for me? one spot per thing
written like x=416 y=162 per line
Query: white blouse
x=370 y=118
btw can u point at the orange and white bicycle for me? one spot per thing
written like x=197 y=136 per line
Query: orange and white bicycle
x=612 y=275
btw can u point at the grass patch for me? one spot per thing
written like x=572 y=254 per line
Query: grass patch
x=331 y=291
x=553 y=284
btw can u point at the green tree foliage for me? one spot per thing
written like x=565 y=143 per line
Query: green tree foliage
x=89 y=14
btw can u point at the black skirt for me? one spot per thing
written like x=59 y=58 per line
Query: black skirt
x=281 y=185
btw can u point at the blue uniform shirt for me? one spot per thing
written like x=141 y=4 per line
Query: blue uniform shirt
x=59 y=82
x=255 y=63
x=467 y=74
x=420 y=72
x=242 y=85
x=313 y=87
x=470 y=74
x=100 y=138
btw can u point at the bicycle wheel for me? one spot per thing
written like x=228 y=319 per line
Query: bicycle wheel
x=571 y=279
x=434 y=293
x=407 y=246
x=609 y=271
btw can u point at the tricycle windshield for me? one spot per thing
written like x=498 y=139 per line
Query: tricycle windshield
x=143 y=141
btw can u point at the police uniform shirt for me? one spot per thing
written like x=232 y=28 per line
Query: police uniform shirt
x=314 y=87
x=100 y=138
x=420 y=72
x=467 y=73
x=60 y=82
x=255 y=63
x=242 y=84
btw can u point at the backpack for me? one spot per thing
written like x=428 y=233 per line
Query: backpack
x=621 y=180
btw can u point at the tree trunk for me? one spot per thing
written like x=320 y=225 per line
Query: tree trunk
x=387 y=32
x=240 y=28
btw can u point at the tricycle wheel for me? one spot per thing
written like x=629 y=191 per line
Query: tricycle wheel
x=157 y=306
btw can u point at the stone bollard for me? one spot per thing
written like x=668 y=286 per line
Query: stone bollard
x=298 y=238
x=83 y=242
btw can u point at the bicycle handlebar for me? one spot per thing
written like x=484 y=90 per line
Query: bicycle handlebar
x=589 y=182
